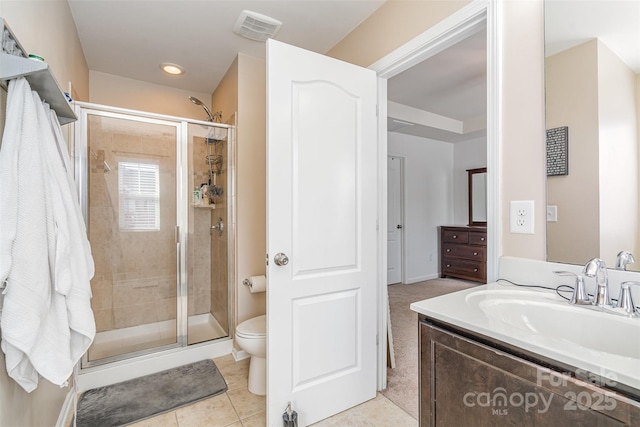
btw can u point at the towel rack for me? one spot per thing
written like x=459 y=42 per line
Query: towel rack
x=14 y=62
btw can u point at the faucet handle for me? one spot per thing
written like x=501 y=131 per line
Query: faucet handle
x=623 y=259
x=580 y=295
x=624 y=299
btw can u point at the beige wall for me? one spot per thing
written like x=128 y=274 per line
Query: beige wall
x=572 y=100
x=521 y=145
x=116 y=91
x=45 y=28
x=243 y=90
x=638 y=158
x=391 y=26
x=618 y=149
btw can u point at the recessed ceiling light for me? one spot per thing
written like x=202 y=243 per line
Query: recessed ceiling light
x=173 y=69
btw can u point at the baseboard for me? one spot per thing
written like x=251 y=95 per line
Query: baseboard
x=411 y=280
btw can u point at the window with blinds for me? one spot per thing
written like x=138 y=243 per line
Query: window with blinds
x=139 y=188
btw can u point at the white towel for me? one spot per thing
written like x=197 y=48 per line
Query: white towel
x=47 y=322
x=25 y=263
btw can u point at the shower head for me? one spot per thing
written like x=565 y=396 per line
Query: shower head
x=198 y=102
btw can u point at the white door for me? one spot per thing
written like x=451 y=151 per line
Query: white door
x=321 y=213
x=394 y=220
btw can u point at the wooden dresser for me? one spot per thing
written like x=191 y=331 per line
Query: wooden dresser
x=463 y=253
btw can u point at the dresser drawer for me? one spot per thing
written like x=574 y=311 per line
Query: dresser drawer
x=473 y=253
x=455 y=236
x=478 y=238
x=464 y=268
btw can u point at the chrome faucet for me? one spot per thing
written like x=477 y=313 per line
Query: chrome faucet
x=625 y=302
x=597 y=268
x=623 y=258
x=580 y=295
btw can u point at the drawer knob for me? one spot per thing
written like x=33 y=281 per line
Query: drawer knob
x=448 y=265
x=454 y=236
x=482 y=239
x=475 y=269
x=475 y=254
x=448 y=250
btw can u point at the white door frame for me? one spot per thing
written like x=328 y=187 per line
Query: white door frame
x=403 y=248
x=458 y=26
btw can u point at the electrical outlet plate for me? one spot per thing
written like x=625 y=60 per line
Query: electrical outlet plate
x=521 y=218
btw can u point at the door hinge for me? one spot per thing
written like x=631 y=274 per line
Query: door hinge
x=266 y=260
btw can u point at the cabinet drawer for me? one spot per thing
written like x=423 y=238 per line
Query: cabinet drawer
x=474 y=253
x=477 y=238
x=467 y=268
x=453 y=236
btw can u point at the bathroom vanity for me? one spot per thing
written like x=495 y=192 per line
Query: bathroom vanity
x=500 y=355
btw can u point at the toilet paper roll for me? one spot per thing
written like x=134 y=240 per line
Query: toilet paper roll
x=257 y=284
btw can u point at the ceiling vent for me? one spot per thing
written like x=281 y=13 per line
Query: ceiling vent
x=255 y=26
x=394 y=125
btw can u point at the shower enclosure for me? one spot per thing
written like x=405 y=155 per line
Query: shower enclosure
x=164 y=257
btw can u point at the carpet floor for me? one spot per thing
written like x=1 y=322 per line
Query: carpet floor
x=402 y=381
x=134 y=400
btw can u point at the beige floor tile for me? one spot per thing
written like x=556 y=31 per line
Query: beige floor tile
x=246 y=403
x=257 y=420
x=214 y=412
x=234 y=373
x=381 y=412
x=350 y=418
x=164 y=420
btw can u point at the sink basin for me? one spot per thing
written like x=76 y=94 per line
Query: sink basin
x=599 y=341
x=548 y=316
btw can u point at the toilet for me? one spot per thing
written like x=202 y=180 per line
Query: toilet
x=251 y=336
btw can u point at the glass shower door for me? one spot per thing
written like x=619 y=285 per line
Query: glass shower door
x=208 y=233
x=131 y=199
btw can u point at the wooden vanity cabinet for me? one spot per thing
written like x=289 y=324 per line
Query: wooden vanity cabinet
x=463 y=253
x=464 y=382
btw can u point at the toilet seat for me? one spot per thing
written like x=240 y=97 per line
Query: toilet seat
x=253 y=328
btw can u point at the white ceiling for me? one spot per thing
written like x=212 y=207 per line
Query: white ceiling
x=615 y=22
x=132 y=38
x=445 y=96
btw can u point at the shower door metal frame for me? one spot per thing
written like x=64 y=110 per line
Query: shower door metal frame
x=81 y=169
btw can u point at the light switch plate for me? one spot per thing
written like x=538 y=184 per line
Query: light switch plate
x=552 y=213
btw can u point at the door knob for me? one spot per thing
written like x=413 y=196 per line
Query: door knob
x=281 y=259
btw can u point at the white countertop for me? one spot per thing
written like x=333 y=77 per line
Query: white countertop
x=543 y=323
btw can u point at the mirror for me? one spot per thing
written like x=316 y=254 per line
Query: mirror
x=477 y=196
x=592 y=87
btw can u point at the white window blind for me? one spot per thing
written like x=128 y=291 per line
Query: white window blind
x=139 y=188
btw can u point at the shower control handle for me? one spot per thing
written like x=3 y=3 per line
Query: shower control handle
x=219 y=226
x=281 y=259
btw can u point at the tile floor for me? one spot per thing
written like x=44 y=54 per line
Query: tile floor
x=239 y=408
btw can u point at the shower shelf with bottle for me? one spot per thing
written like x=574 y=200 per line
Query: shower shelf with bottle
x=15 y=62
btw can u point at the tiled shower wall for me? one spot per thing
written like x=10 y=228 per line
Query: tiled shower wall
x=208 y=284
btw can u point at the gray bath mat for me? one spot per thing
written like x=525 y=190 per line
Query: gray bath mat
x=134 y=400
